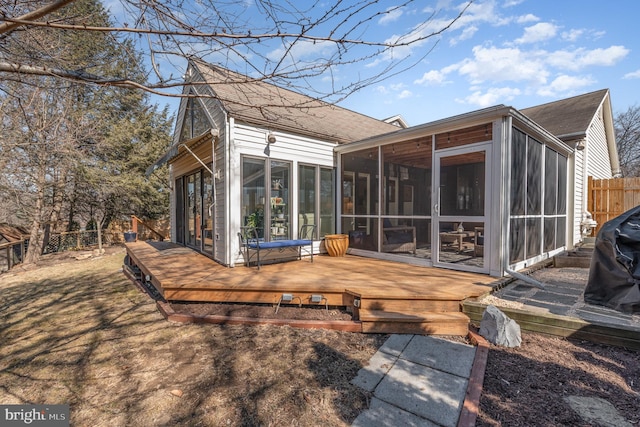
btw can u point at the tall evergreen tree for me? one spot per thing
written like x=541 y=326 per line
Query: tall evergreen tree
x=72 y=149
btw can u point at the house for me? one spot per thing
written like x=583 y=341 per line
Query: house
x=247 y=152
x=489 y=191
x=584 y=122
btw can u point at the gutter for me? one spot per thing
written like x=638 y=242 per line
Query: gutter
x=434 y=127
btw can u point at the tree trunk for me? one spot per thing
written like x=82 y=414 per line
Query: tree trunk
x=36 y=236
x=99 y=224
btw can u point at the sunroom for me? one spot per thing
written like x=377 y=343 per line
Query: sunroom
x=484 y=192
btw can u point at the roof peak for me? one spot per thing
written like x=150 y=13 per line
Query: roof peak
x=567 y=99
x=263 y=103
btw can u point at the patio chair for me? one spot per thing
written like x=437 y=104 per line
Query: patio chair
x=398 y=238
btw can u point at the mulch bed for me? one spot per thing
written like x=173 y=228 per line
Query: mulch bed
x=528 y=386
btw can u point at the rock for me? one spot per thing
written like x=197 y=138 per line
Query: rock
x=499 y=329
x=177 y=392
x=597 y=411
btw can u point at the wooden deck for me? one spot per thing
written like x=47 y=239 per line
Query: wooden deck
x=386 y=297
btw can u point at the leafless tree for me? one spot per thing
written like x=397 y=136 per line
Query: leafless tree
x=289 y=43
x=627 y=127
x=56 y=133
x=39 y=131
x=64 y=70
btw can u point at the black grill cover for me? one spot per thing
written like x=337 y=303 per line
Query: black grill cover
x=614 y=276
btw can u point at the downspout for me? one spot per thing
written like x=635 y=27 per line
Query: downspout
x=586 y=217
x=525 y=278
x=229 y=151
x=214 y=175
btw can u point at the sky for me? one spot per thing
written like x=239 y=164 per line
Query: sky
x=519 y=53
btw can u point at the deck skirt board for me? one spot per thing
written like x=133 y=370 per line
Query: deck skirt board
x=181 y=274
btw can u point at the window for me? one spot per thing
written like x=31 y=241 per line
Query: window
x=316 y=198
x=253 y=194
x=538 y=198
x=267 y=197
x=280 y=201
x=196 y=121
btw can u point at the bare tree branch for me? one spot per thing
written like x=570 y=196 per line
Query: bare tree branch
x=627 y=127
x=38 y=13
x=288 y=44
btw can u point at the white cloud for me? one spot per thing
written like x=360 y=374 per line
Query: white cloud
x=580 y=58
x=565 y=84
x=466 y=34
x=303 y=51
x=525 y=19
x=633 y=75
x=538 y=32
x=382 y=90
x=397 y=86
x=491 y=97
x=572 y=35
x=432 y=77
x=392 y=14
x=604 y=57
x=467 y=25
x=485 y=12
x=533 y=67
x=503 y=64
x=393 y=90
x=511 y=3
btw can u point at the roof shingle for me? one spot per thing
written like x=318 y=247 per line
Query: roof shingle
x=257 y=102
x=567 y=117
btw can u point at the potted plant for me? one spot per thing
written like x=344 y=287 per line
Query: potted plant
x=256 y=219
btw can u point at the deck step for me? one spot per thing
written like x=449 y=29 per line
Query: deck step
x=430 y=323
x=414 y=305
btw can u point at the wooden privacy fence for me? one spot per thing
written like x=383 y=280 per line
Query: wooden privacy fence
x=609 y=198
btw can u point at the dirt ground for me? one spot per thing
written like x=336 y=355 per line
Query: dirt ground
x=78 y=332
x=532 y=385
x=266 y=311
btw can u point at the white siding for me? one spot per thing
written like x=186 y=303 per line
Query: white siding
x=579 y=193
x=598 y=160
x=595 y=162
x=249 y=140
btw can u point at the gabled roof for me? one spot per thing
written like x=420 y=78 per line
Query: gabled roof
x=398 y=121
x=260 y=103
x=568 y=118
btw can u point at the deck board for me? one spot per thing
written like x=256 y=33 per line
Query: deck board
x=178 y=267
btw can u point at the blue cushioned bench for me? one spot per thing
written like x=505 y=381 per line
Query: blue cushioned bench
x=254 y=246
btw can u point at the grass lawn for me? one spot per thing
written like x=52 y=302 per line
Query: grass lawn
x=79 y=333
